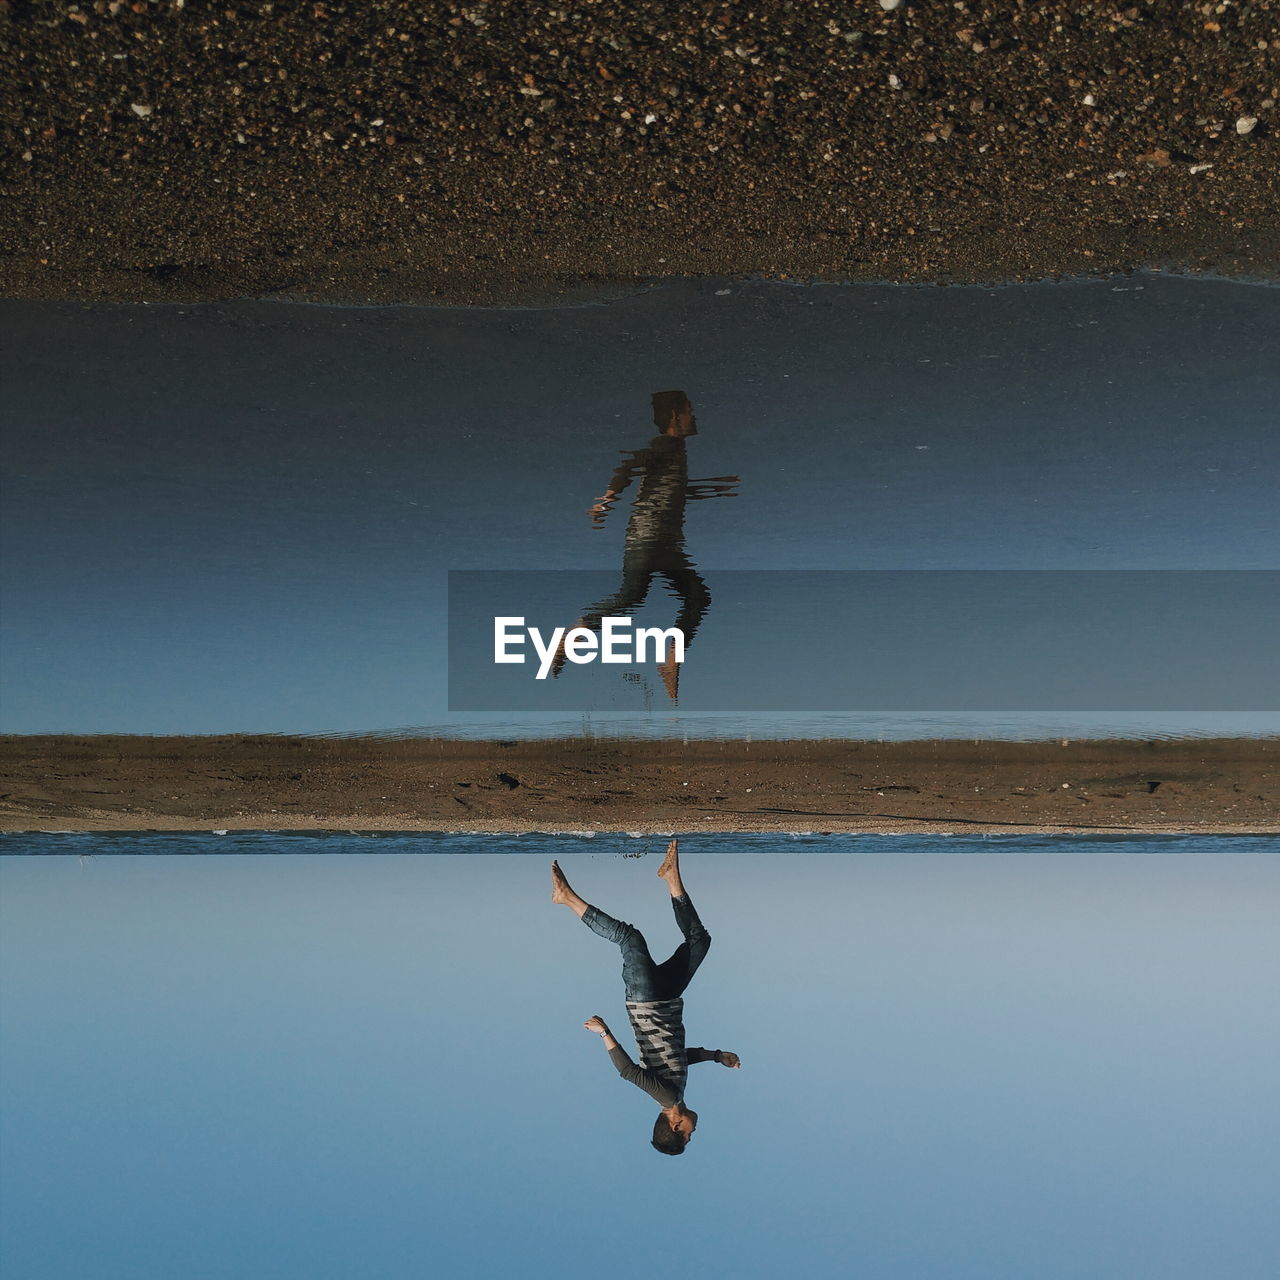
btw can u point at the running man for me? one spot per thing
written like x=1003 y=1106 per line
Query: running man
x=654 y=1003
x=654 y=544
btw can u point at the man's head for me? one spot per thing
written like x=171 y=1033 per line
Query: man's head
x=673 y=414
x=673 y=1129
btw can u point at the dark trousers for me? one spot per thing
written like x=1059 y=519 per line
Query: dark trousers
x=642 y=977
x=640 y=566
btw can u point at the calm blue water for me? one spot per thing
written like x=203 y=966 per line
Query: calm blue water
x=241 y=518
x=602 y=843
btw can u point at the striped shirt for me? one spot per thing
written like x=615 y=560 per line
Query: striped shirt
x=659 y=1030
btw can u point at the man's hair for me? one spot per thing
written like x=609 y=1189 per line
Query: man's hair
x=666 y=1139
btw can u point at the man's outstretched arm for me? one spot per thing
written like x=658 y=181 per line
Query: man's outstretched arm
x=601 y=1028
x=620 y=479
x=657 y=1089
x=725 y=1057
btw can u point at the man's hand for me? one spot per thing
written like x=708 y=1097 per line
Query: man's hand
x=729 y=1059
x=601 y=507
x=597 y=1024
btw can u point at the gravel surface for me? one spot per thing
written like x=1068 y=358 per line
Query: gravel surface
x=515 y=151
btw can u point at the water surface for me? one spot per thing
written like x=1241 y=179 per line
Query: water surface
x=241 y=517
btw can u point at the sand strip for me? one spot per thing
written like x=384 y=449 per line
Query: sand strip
x=239 y=783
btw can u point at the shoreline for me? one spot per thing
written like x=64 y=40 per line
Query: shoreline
x=260 y=826
x=124 y=783
x=525 y=287
x=448 y=269
x=536 y=294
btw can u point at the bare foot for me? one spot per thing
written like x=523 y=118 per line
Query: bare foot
x=561 y=656
x=561 y=892
x=671 y=863
x=670 y=672
x=670 y=870
x=558 y=659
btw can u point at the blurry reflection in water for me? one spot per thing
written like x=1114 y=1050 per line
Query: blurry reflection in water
x=241 y=517
x=654 y=545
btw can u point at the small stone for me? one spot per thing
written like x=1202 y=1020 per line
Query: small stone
x=890 y=5
x=1199 y=168
x=1089 y=100
x=1158 y=156
x=26 y=155
x=1246 y=124
x=139 y=109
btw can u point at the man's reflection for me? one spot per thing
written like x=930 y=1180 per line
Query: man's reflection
x=654 y=1004
x=654 y=545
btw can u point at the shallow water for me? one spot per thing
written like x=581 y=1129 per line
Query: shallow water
x=327 y=1066
x=241 y=518
x=547 y=844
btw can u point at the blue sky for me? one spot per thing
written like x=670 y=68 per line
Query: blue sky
x=318 y=1066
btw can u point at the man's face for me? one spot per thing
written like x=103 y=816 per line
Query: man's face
x=684 y=1123
x=682 y=422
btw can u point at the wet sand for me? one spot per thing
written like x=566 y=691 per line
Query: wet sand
x=480 y=153
x=117 y=783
